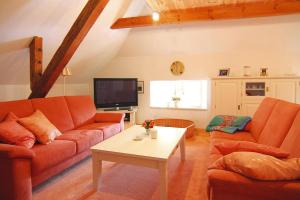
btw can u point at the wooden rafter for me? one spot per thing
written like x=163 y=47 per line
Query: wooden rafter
x=219 y=12
x=64 y=53
x=36 y=60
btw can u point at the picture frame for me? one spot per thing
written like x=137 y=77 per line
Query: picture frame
x=140 y=87
x=224 y=72
x=264 y=71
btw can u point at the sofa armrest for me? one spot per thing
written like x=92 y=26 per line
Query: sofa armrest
x=15 y=172
x=229 y=185
x=109 y=117
x=13 y=151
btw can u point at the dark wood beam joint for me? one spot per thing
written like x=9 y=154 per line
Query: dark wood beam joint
x=36 y=58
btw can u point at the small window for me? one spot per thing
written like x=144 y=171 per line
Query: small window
x=179 y=94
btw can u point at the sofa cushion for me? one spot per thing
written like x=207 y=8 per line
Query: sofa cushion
x=84 y=139
x=259 y=166
x=109 y=129
x=44 y=131
x=51 y=154
x=21 y=108
x=291 y=141
x=56 y=110
x=227 y=147
x=239 y=136
x=261 y=116
x=278 y=123
x=82 y=109
x=95 y=136
x=11 y=132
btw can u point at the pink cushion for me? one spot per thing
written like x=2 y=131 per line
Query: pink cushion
x=13 y=133
x=51 y=154
x=279 y=123
x=56 y=110
x=291 y=141
x=228 y=147
x=109 y=129
x=259 y=166
x=82 y=109
x=40 y=126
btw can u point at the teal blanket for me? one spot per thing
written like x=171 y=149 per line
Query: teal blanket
x=228 y=124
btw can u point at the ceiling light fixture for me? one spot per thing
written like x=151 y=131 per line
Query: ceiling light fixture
x=155 y=16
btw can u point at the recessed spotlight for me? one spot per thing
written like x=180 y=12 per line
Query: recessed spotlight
x=155 y=16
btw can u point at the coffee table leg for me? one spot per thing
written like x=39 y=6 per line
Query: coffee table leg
x=97 y=168
x=182 y=148
x=163 y=173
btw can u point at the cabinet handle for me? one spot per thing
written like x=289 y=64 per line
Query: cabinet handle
x=267 y=89
x=239 y=107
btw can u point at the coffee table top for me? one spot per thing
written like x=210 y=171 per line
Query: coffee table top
x=159 y=149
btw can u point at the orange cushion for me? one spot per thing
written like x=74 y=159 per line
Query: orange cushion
x=13 y=133
x=109 y=129
x=52 y=154
x=239 y=136
x=40 y=126
x=227 y=147
x=278 y=124
x=259 y=166
x=261 y=116
x=291 y=141
x=56 y=110
x=20 y=108
x=82 y=109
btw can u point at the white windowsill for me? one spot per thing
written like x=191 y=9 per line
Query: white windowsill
x=180 y=108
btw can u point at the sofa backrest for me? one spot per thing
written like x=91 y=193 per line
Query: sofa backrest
x=20 y=108
x=291 y=141
x=279 y=123
x=56 y=110
x=82 y=109
x=261 y=116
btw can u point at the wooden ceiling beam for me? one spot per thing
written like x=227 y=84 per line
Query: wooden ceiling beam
x=36 y=60
x=71 y=42
x=219 y=12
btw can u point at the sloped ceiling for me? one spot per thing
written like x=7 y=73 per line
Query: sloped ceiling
x=20 y=20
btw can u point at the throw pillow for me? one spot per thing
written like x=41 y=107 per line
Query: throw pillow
x=13 y=133
x=228 y=147
x=10 y=117
x=259 y=166
x=40 y=126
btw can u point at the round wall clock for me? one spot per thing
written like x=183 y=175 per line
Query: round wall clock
x=177 y=68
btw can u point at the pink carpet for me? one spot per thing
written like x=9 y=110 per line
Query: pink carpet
x=187 y=180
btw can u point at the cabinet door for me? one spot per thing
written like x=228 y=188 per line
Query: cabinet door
x=227 y=97
x=284 y=89
x=255 y=90
x=249 y=109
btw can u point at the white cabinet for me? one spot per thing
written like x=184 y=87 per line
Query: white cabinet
x=285 y=89
x=226 y=97
x=242 y=96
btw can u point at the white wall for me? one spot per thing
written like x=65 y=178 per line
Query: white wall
x=22 y=91
x=204 y=48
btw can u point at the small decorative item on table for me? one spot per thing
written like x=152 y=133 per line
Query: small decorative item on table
x=148 y=124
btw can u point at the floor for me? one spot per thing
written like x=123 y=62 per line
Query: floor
x=187 y=181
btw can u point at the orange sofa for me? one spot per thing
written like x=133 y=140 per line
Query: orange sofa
x=76 y=117
x=275 y=123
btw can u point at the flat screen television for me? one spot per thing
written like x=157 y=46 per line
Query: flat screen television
x=115 y=92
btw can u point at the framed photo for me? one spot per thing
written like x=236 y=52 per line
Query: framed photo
x=224 y=72
x=263 y=71
x=140 y=87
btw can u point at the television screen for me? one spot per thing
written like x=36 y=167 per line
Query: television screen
x=115 y=92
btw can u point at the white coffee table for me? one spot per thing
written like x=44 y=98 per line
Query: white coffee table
x=153 y=153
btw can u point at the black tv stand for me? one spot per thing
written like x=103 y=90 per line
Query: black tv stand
x=118 y=108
